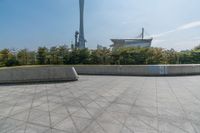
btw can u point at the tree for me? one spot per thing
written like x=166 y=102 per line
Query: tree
x=123 y=56
x=195 y=55
x=7 y=58
x=42 y=54
x=105 y=55
x=154 y=56
x=5 y=54
x=53 y=53
x=84 y=55
x=126 y=56
x=185 y=57
x=79 y=56
x=32 y=58
x=63 y=54
x=11 y=61
x=170 y=57
x=95 y=57
x=130 y=56
x=23 y=57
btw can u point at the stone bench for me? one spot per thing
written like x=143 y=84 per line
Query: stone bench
x=31 y=74
x=139 y=70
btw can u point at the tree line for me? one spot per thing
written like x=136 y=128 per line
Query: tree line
x=123 y=56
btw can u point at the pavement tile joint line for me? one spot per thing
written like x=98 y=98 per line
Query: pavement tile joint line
x=103 y=104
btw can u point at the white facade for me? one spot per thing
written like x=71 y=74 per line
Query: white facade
x=117 y=43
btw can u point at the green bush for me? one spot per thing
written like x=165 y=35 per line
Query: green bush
x=121 y=56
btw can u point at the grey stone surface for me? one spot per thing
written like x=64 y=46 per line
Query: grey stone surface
x=29 y=74
x=103 y=104
x=139 y=70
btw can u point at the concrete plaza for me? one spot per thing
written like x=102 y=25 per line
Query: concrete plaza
x=103 y=104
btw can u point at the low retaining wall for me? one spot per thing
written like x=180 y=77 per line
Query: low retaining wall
x=29 y=74
x=138 y=70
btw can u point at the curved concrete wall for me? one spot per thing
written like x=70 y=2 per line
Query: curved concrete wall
x=138 y=70
x=29 y=74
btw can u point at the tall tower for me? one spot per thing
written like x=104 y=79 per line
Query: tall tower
x=81 y=30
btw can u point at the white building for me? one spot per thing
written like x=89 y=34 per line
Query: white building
x=135 y=42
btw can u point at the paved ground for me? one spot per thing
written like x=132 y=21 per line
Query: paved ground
x=103 y=104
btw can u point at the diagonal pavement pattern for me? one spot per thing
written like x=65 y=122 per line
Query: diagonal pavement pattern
x=103 y=104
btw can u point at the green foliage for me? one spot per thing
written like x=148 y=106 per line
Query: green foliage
x=197 y=47
x=100 y=56
x=170 y=57
x=121 y=56
x=195 y=54
x=137 y=55
x=23 y=56
x=79 y=56
x=42 y=56
x=7 y=58
x=11 y=61
x=185 y=57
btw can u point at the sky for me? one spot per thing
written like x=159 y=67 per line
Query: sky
x=33 y=23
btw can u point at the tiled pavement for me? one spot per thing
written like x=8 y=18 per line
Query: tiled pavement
x=103 y=104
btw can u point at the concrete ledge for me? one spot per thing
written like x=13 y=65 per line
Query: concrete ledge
x=31 y=74
x=139 y=70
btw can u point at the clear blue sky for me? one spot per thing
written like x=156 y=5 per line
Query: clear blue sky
x=32 y=23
